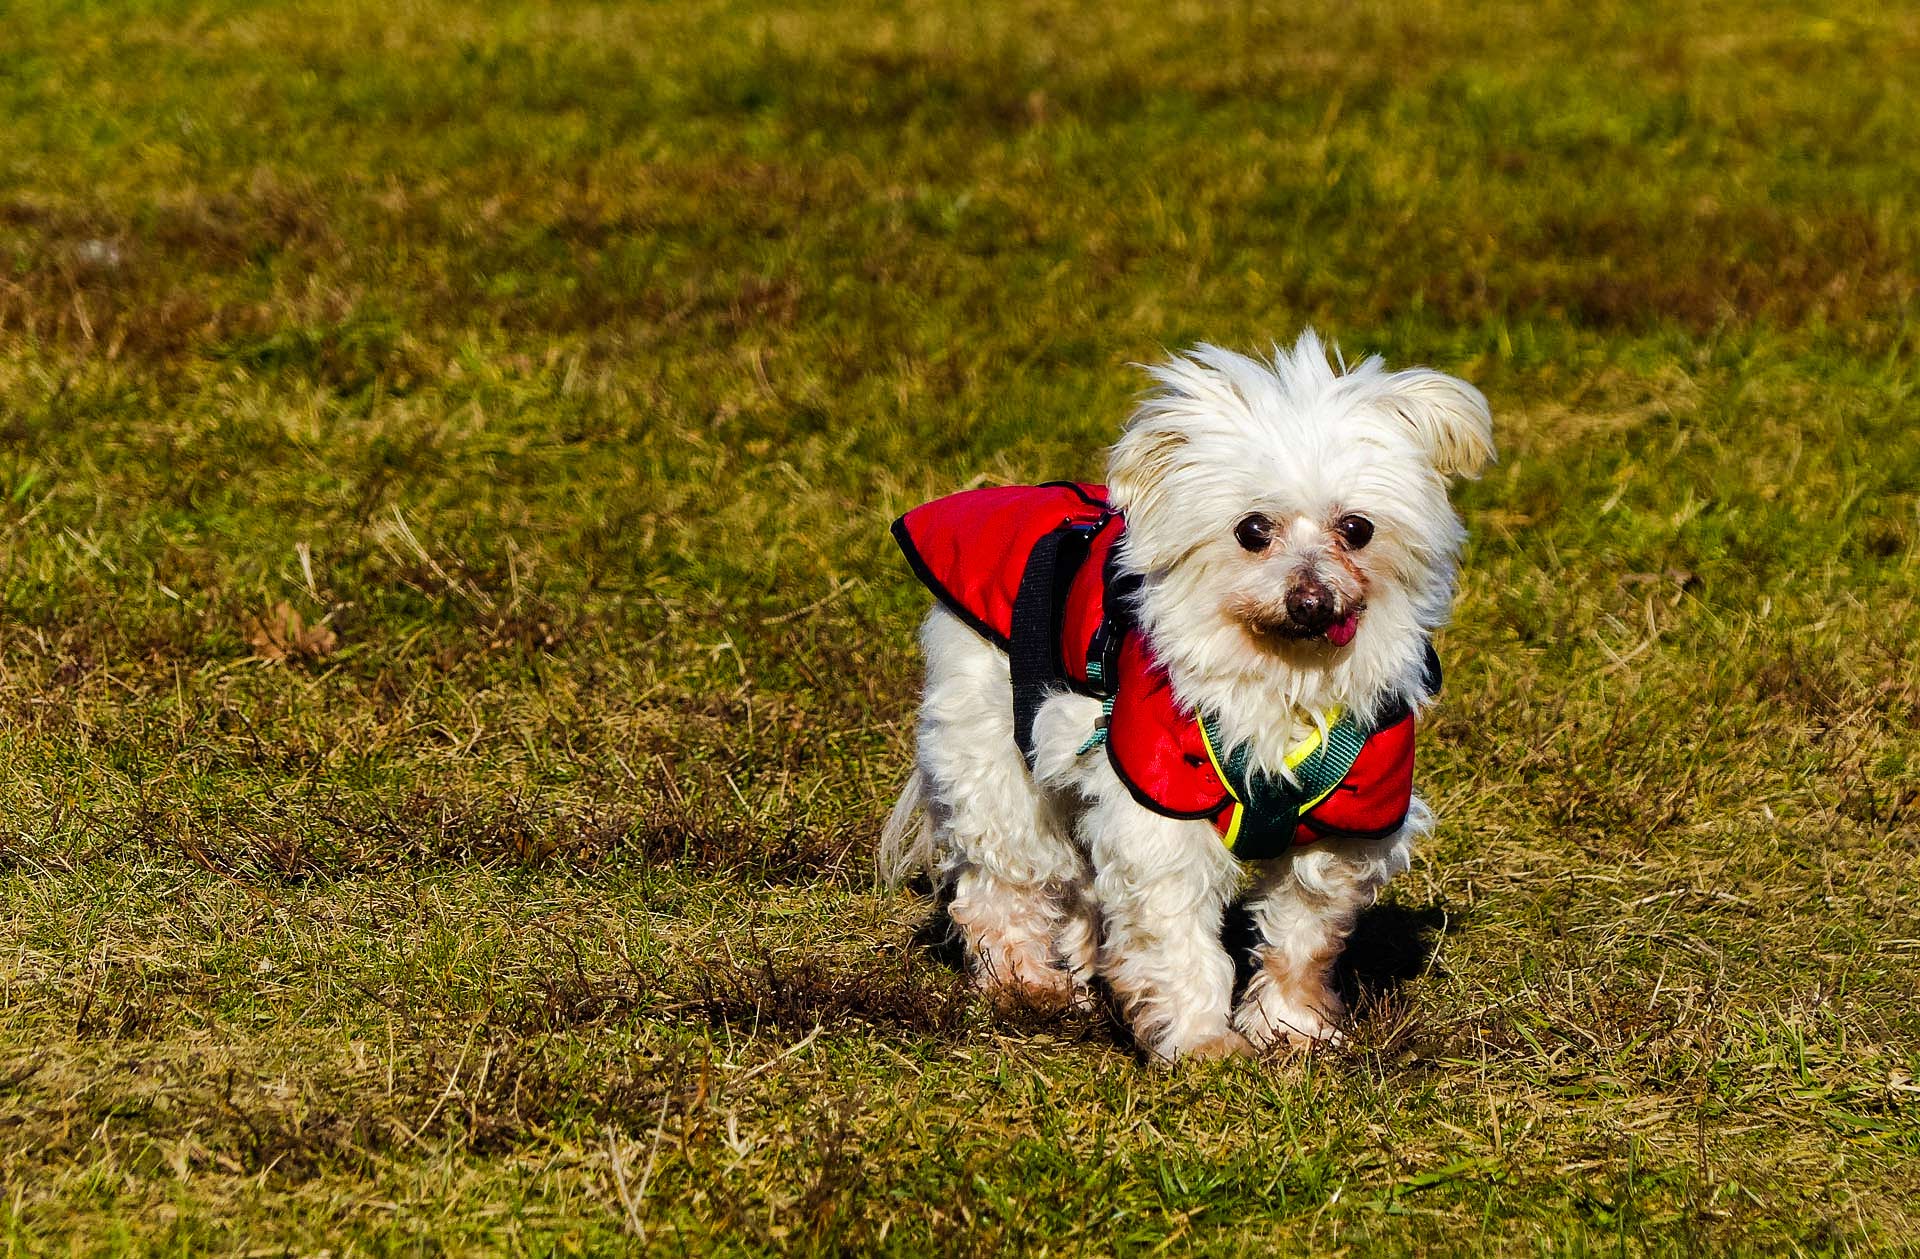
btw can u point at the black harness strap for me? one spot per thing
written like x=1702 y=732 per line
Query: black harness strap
x=1034 y=657
x=1117 y=590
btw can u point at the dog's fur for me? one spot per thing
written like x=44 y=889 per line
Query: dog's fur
x=1057 y=875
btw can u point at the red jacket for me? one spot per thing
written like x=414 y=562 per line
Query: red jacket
x=982 y=552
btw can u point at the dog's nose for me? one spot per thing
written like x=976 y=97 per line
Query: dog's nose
x=1310 y=604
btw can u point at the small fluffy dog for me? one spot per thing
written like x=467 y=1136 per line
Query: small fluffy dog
x=1203 y=676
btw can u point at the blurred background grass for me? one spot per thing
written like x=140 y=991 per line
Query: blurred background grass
x=452 y=665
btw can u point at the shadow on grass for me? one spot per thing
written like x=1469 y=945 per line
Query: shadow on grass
x=1392 y=945
x=936 y=936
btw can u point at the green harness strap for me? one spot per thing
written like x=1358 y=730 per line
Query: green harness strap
x=1270 y=806
x=1096 y=676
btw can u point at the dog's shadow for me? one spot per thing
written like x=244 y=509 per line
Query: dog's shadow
x=1391 y=945
x=937 y=936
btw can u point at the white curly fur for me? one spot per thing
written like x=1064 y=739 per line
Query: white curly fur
x=1058 y=875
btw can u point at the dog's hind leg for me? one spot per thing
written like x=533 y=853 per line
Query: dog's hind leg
x=1009 y=933
x=999 y=845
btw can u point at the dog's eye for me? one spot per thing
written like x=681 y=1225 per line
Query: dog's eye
x=1355 y=531
x=1254 y=532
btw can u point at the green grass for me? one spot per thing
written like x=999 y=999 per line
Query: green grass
x=566 y=362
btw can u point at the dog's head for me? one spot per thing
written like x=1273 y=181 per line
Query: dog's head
x=1286 y=512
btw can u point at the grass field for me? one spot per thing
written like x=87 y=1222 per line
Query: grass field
x=453 y=668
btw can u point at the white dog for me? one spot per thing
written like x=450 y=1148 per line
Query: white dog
x=1227 y=642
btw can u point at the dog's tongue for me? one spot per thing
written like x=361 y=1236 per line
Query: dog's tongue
x=1341 y=632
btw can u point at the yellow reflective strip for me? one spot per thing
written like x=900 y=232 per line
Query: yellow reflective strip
x=1301 y=751
x=1293 y=758
x=1219 y=768
x=1308 y=806
x=1311 y=744
x=1233 y=827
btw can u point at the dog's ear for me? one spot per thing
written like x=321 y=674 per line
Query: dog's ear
x=1448 y=416
x=1140 y=460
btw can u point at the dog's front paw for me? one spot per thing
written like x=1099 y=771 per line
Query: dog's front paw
x=1294 y=1014
x=1224 y=1044
x=1228 y=1044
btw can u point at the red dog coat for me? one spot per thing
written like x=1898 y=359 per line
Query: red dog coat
x=1030 y=567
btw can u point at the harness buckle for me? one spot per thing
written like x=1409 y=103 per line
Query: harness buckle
x=1100 y=725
